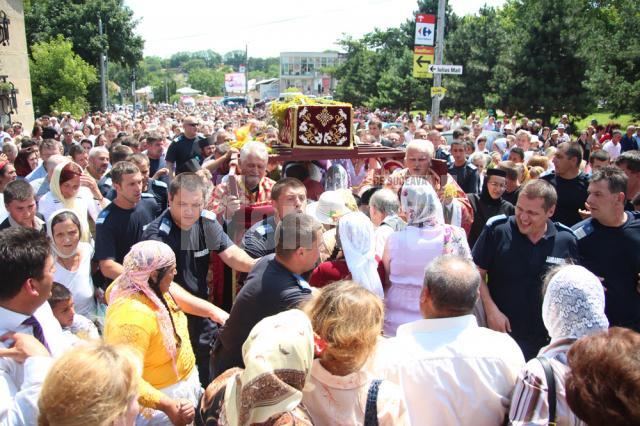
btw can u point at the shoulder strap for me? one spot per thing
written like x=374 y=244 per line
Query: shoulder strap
x=551 y=386
x=371 y=409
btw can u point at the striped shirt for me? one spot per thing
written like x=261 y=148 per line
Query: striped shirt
x=529 y=404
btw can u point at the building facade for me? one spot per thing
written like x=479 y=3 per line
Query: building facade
x=306 y=71
x=16 y=103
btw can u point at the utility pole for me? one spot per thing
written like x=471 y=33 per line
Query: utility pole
x=166 y=92
x=133 y=92
x=246 y=76
x=103 y=80
x=437 y=78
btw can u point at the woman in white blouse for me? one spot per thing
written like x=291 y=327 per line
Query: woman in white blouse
x=76 y=191
x=72 y=260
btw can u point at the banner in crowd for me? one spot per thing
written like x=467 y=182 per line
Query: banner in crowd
x=234 y=82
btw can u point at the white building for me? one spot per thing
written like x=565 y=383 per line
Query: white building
x=304 y=71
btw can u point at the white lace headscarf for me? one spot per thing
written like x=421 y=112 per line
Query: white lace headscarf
x=573 y=304
x=357 y=238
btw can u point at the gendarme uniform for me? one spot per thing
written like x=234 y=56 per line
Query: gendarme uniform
x=192 y=248
x=613 y=253
x=155 y=188
x=515 y=267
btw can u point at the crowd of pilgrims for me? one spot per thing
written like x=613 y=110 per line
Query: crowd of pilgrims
x=161 y=267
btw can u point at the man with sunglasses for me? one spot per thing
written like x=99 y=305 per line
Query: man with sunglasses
x=184 y=152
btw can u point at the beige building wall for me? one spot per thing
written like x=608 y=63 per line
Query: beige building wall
x=14 y=62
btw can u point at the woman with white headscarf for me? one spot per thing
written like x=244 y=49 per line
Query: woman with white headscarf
x=573 y=307
x=408 y=252
x=72 y=260
x=72 y=189
x=356 y=242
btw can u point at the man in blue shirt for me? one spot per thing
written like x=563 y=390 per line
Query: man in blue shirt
x=514 y=253
x=609 y=246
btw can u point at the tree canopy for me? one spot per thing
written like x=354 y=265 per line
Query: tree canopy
x=60 y=78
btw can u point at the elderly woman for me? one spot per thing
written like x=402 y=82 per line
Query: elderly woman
x=72 y=260
x=356 y=241
x=408 y=252
x=573 y=307
x=384 y=206
x=340 y=391
x=72 y=189
x=142 y=313
x=93 y=384
x=278 y=355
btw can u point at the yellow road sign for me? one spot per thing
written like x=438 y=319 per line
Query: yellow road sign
x=423 y=56
x=435 y=91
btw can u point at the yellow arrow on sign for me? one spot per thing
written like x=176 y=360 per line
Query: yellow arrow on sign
x=435 y=91
x=422 y=57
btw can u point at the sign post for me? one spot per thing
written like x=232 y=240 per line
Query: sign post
x=437 y=80
x=445 y=69
x=425 y=29
x=422 y=60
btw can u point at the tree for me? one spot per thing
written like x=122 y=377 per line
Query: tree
x=234 y=59
x=540 y=71
x=358 y=75
x=77 y=21
x=611 y=50
x=59 y=77
x=207 y=80
x=475 y=44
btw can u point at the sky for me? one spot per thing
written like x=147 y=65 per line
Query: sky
x=268 y=27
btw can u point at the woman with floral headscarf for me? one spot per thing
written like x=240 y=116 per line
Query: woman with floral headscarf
x=573 y=307
x=142 y=313
x=278 y=355
x=408 y=252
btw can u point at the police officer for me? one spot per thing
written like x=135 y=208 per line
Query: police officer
x=193 y=233
x=156 y=188
x=609 y=246
x=514 y=253
x=119 y=225
x=465 y=174
x=184 y=152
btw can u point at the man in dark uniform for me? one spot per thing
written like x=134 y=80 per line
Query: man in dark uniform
x=274 y=285
x=570 y=183
x=150 y=187
x=184 y=152
x=192 y=233
x=287 y=195
x=515 y=253
x=119 y=225
x=465 y=174
x=609 y=246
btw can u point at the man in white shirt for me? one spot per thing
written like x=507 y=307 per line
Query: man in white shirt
x=613 y=147
x=27 y=277
x=452 y=372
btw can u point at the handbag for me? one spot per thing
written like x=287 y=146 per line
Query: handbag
x=551 y=386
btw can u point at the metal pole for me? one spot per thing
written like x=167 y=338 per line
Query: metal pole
x=103 y=81
x=437 y=78
x=246 y=76
x=166 y=92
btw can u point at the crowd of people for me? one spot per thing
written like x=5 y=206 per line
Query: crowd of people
x=161 y=267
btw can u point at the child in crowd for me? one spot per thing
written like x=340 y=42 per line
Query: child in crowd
x=74 y=326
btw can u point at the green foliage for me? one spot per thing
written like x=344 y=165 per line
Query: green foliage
x=207 y=80
x=611 y=48
x=59 y=77
x=234 y=59
x=77 y=21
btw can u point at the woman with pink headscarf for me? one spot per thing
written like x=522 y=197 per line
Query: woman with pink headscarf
x=143 y=313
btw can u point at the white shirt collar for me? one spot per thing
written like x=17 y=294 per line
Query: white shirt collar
x=437 y=324
x=10 y=320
